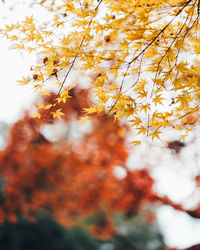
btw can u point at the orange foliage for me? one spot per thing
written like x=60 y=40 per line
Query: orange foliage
x=72 y=177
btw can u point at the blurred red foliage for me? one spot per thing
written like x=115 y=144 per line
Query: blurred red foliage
x=72 y=177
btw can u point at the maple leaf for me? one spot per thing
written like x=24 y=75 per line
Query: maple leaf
x=136 y=143
x=36 y=115
x=46 y=92
x=57 y=114
x=141 y=130
x=131 y=65
x=155 y=134
x=24 y=81
x=158 y=100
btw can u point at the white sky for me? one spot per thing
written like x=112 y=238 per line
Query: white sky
x=13 y=97
x=179 y=229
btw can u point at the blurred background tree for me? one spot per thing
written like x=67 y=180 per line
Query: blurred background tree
x=77 y=175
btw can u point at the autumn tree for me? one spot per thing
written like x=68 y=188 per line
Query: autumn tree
x=140 y=59
x=69 y=177
x=72 y=177
x=53 y=166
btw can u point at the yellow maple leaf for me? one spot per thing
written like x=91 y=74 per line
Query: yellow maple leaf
x=136 y=121
x=36 y=115
x=18 y=46
x=64 y=95
x=37 y=87
x=155 y=134
x=45 y=92
x=136 y=143
x=158 y=100
x=57 y=114
x=40 y=106
x=24 y=81
x=94 y=109
x=141 y=130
